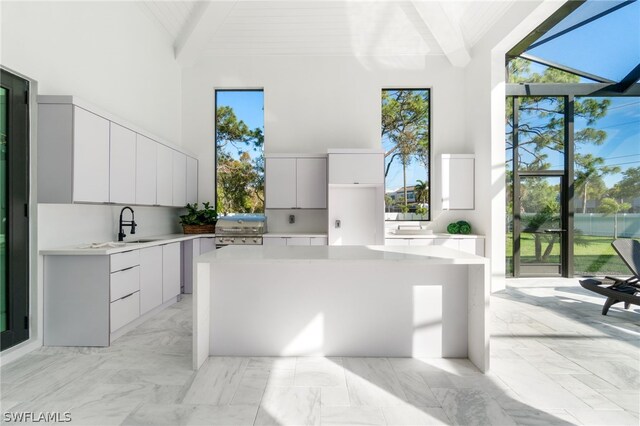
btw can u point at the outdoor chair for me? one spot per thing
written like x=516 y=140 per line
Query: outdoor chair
x=622 y=290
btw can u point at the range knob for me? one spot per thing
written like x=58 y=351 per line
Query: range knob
x=255 y=240
x=244 y=240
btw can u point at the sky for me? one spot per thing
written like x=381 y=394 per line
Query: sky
x=603 y=47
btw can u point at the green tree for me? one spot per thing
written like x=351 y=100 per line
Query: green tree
x=610 y=206
x=629 y=186
x=239 y=176
x=589 y=173
x=405 y=128
x=421 y=191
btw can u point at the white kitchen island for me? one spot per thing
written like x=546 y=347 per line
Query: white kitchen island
x=430 y=302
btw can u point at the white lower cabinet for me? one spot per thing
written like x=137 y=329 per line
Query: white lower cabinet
x=124 y=310
x=468 y=245
x=171 y=258
x=207 y=244
x=150 y=278
x=294 y=241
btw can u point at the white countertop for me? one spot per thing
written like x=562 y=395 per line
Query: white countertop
x=434 y=235
x=426 y=254
x=293 y=235
x=84 y=250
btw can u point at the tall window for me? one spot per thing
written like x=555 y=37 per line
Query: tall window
x=406 y=139
x=239 y=151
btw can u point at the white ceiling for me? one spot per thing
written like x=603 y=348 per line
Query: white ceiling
x=307 y=27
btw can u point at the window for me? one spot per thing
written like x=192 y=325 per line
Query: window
x=406 y=139
x=239 y=133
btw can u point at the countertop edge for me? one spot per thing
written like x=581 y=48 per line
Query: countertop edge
x=161 y=240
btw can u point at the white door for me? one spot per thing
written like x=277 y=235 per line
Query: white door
x=90 y=157
x=179 y=179
x=311 y=189
x=164 y=180
x=447 y=242
x=421 y=242
x=122 y=165
x=192 y=180
x=150 y=278
x=170 y=271
x=354 y=215
x=280 y=183
x=146 y=166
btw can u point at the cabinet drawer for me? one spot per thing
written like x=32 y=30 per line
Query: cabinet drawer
x=125 y=260
x=298 y=241
x=318 y=241
x=123 y=311
x=125 y=282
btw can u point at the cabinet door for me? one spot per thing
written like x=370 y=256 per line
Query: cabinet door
x=446 y=242
x=164 y=178
x=150 y=278
x=298 y=241
x=356 y=168
x=170 y=271
x=311 y=185
x=280 y=183
x=146 y=166
x=124 y=310
x=467 y=245
x=122 y=165
x=179 y=179
x=192 y=180
x=274 y=241
x=458 y=182
x=90 y=157
x=318 y=241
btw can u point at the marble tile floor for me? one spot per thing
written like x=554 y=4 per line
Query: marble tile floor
x=555 y=361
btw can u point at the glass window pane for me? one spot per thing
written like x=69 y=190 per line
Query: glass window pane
x=607 y=182
x=540 y=133
x=608 y=46
x=239 y=151
x=406 y=141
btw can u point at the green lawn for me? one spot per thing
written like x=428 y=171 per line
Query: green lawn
x=594 y=256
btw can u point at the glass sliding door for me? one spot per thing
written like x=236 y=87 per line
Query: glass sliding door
x=14 y=207
x=541 y=229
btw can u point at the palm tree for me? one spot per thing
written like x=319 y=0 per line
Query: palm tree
x=421 y=191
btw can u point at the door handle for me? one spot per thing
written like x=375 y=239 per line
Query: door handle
x=549 y=231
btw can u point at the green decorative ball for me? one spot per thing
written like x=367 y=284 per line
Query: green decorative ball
x=464 y=227
x=453 y=228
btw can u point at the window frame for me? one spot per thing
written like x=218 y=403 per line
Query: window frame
x=429 y=171
x=215 y=132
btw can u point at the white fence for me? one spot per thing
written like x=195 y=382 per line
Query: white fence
x=602 y=225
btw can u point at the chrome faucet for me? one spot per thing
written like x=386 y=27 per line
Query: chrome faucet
x=131 y=223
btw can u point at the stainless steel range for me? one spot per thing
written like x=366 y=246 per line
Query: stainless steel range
x=240 y=229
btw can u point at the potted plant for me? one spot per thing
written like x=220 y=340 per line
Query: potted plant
x=199 y=221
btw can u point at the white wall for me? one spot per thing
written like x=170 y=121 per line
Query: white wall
x=484 y=82
x=315 y=103
x=113 y=56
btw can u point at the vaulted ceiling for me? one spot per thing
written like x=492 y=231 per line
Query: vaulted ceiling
x=199 y=29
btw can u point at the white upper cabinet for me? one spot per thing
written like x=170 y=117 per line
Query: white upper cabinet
x=122 y=165
x=164 y=181
x=90 y=157
x=179 y=179
x=458 y=181
x=311 y=179
x=192 y=180
x=280 y=183
x=356 y=168
x=146 y=167
x=86 y=155
x=296 y=183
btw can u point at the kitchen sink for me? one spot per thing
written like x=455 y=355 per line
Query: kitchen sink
x=142 y=240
